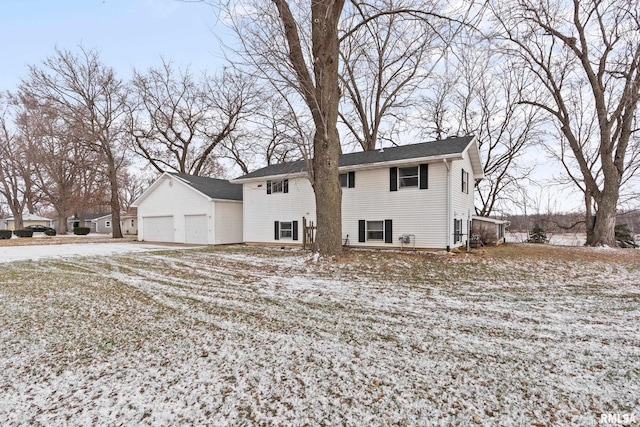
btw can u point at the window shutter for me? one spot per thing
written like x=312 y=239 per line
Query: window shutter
x=462 y=180
x=388 y=231
x=351 y=180
x=276 y=230
x=424 y=176
x=362 y=231
x=285 y=186
x=393 y=179
x=295 y=230
x=268 y=187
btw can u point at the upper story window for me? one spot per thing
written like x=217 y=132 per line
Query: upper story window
x=347 y=180
x=281 y=186
x=465 y=181
x=408 y=176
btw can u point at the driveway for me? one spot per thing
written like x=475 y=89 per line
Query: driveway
x=36 y=252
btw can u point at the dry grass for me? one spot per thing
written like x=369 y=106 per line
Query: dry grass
x=513 y=335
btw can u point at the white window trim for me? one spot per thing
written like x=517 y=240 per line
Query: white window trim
x=289 y=230
x=369 y=230
x=402 y=177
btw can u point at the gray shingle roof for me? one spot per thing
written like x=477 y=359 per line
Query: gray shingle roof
x=212 y=187
x=442 y=147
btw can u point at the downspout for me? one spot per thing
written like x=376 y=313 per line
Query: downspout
x=448 y=215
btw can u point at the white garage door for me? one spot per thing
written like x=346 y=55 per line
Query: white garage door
x=157 y=228
x=196 y=229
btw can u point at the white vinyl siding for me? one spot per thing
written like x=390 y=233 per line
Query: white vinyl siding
x=262 y=210
x=227 y=227
x=426 y=213
x=412 y=210
x=462 y=202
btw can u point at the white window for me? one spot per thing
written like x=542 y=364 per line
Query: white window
x=375 y=230
x=107 y=224
x=278 y=186
x=347 y=180
x=457 y=230
x=465 y=181
x=133 y=223
x=408 y=176
x=286 y=230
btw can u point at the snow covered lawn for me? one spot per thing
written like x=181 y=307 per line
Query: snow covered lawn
x=515 y=335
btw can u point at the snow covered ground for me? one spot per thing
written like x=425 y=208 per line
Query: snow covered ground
x=512 y=336
x=66 y=250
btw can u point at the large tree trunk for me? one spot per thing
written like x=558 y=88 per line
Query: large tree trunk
x=603 y=233
x=62 y=223
x=16 y=211
x=328 y=192
x=326 y=145
x=322 y=95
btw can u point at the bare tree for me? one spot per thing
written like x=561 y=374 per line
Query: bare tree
x=91 y=100
x=64 y=172
x=309 y=64
x=385 y=64
x=132 y=185
x=180 y=120
x=584 y=54
x=15 y=171
x=274 y=133
x=481 y=97
x=312 y=34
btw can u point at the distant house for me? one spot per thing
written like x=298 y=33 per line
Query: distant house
x=418 y=195
x=190 y=209
x=129 y=222
x=97 y=222
x=27 y=219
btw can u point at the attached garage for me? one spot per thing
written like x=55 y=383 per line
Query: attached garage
x=190 y=209
x=158 y=228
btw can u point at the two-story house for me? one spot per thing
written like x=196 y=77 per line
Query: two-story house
x=418 y=195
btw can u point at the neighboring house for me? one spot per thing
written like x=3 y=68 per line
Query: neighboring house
x=27 y=219
x=488 y=231
x=190 y=209
x=97 y=222
x=129 y=222
x=418 y=195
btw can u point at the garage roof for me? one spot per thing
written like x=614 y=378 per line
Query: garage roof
x=212 y=187
x=218 y=189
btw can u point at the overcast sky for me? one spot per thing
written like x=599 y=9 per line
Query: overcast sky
x=127 y=33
